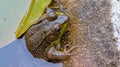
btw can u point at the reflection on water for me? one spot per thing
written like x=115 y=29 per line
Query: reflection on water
x=17 y=55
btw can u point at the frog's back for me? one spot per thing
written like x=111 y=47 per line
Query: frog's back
x=36 y=34
x=37 y=38
x=41 y=35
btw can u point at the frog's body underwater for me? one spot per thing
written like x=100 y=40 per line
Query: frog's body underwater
x=43 y=38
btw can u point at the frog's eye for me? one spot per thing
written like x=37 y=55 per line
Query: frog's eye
x=58 y=29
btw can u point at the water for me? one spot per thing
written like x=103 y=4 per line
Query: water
x=11 y=13
x=17 y=55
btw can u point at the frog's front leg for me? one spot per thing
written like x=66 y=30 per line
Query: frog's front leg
x=53 y=54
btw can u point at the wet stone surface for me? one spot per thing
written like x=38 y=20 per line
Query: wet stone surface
x=92 y=30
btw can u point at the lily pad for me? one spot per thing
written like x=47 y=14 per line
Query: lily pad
x=36 y=9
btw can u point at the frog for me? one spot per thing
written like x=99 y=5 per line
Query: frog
x=43 y=39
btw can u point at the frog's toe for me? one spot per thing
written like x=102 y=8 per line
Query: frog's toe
x=57 y=55
x=71 y=49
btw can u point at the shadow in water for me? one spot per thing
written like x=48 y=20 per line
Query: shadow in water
x=17 y=55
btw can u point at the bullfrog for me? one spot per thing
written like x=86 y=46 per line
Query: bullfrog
x=43 y=39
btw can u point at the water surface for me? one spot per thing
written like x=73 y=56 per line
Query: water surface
x=11 y=13
x=17 y=55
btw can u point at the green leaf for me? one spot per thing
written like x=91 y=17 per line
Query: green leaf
x=36 y=9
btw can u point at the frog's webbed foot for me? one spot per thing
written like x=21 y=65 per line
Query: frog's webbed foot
x=53 y=54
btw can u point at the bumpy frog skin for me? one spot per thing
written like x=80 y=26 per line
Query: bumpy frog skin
x=44 y=36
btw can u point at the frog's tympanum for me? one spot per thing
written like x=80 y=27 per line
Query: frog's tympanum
x=43 y=39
